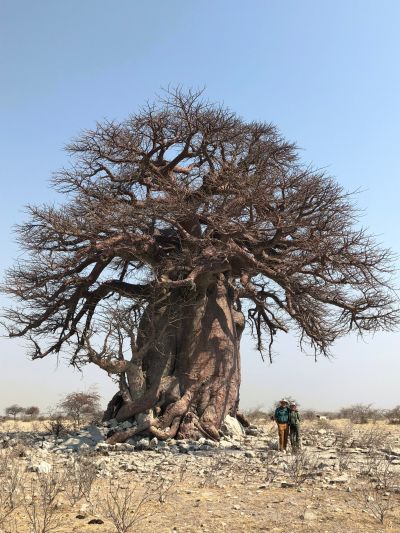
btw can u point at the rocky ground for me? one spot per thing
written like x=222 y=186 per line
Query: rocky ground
x=345 y=478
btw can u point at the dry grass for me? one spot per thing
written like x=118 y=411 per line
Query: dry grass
x=224 y=498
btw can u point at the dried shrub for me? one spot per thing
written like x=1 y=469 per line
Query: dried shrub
x=40 y=501
x=79 y=476
x=125 y=505
x=377 y=493
x=57 y=424
x=393 y=415
x=361 y=413
x=10 y=480
x=373 y=438
x=257 y=414
x=81 y=406
x=308 y=414
x=301 y=466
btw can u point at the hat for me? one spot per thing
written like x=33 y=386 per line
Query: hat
x=283 y=401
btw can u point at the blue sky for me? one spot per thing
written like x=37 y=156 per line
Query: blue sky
x=325 y=72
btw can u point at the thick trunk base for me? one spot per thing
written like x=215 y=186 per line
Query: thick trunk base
x=192 y=376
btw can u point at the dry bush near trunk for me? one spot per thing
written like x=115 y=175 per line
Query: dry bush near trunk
x=57 y=424
x=40 y=501
x=79 y=476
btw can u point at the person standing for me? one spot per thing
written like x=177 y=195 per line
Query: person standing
x=281 y=417
x=294 y=427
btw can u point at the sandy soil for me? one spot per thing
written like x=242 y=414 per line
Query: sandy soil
x=223 y=499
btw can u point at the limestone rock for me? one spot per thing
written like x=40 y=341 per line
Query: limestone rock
x=232 y=427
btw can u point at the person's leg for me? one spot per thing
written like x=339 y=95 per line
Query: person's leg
x=292 y=437
x=280 y=434
x=298 y=443
x=285 y=436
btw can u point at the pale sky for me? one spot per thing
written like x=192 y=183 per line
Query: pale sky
x=326 y=73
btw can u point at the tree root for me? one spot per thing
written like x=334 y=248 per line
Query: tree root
x=243 y=419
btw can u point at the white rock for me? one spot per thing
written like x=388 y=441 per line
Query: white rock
x=143 y=444
x=232 y=427
x=153 y=443
x=40 y=468
x=308 y=515
x=101 y=446
x=126 y=425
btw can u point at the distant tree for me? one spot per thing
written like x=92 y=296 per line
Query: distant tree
x=32 y=411
x=80 y=405
x=13 y=410
x=181 y=224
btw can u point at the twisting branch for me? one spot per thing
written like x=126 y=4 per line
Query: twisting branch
x=164 y=202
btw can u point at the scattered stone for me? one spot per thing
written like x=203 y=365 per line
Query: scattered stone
x=40 y=468
x=340 y=479
x=143 y=443
x=308 y=515
x=232 y=427
x=153 y=443
x=125 y=425
x=96 y=521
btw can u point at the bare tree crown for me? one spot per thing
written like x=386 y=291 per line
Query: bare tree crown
x=173 y=197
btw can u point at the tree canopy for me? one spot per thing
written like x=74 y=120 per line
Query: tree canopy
x=181 y=192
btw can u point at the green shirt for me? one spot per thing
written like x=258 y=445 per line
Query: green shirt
x=294 y=418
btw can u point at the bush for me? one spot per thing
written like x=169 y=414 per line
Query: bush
x=80 y=406
x=361 y=413
x=257 y=413
x=57 y=425
x=308 y=414
x=393 y=415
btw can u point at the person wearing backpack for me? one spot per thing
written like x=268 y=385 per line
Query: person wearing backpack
x=281 y=417
x=294 y=427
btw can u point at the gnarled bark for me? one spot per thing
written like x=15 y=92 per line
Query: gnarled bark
x=192 y=371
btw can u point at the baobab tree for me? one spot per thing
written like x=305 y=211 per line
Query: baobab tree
x=181 y=225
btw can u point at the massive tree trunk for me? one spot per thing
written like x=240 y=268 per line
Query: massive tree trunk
x=188 y=381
